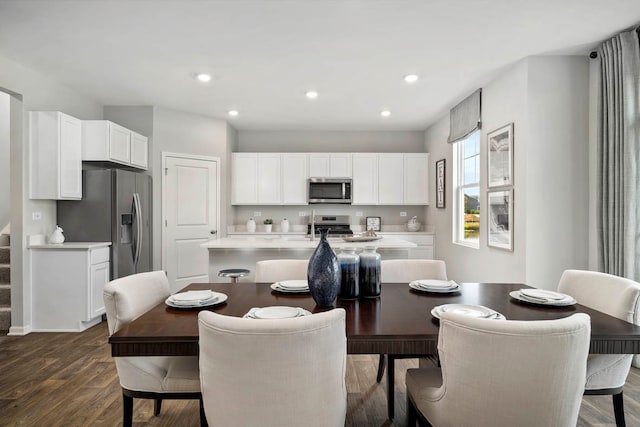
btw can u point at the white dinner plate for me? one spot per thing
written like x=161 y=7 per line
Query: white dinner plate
x=192 y=296
x=295 y=285
x=437 y=290
x=549 y=303
x=277 y=312
x=478 y=311
x=218 y=298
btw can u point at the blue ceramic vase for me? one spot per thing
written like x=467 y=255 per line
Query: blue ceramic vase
x=323 y=273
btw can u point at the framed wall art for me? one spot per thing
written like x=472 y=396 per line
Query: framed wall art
x=500 y=162
x=500 y=219
x=373 y=223
x=440 y=182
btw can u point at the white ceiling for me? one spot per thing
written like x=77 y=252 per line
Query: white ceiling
x=264 y=55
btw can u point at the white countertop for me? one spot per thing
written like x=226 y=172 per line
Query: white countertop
x=297 y=242
x=70 y=245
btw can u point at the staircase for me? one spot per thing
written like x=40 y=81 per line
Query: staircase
x=5 y=285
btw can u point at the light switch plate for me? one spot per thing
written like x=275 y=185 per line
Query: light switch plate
x=403 y=214
x=257 y=214
x=36 y=216
x=358 y=213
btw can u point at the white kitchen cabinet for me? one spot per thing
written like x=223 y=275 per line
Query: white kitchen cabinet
x=330 y=165
x=55 y=142
x=416 y=179
x=425 y=242
x=67 y=285
x=255 y=179
x=390 y=178
x=105 y=141
x=139 y=150
x=364 y=189
x=294 y=178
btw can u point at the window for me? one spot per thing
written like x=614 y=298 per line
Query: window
x=466 y=210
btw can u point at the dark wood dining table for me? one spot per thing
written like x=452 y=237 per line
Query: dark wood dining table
x=399 y=322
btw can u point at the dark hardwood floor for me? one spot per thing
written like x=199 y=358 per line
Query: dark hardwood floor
x=70 y=380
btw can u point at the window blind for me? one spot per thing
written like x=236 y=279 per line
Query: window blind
x=465 y=117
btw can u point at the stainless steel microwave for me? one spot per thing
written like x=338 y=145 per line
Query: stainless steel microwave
x=329 y=190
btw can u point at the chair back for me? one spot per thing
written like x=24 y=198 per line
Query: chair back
x=613 y=295
x=511 y=373
x=408 y=270
x=127 y=298
x=275 y=270
x=285 y=372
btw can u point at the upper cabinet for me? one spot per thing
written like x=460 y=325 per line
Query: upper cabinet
x=416 y=179
x=55 y=141
x=378 y=178
x=103 y=140
x=295 y=168
x=330 y=165
x=255 y=179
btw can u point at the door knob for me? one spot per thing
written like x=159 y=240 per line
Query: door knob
x=213 y=231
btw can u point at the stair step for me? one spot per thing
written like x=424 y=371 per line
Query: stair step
x=5 y=255
x=5 y=295
x=5 y=273
x=5 y=319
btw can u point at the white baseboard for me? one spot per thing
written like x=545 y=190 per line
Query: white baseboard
x=18 y=331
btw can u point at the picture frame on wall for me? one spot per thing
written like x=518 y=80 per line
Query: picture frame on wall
x=500 y=156
x=440 y=183
x=500 y=219
x=373 y=223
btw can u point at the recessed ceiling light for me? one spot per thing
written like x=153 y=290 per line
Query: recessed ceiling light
x=411 y=78
x=385 y=113
x=203 y=77
x=233 y=113
x=312 y=94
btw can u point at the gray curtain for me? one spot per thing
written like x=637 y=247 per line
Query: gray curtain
x=619 y=156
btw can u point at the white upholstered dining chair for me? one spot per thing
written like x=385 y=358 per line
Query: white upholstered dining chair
x=615 y=296
x=156 y=378
x=284 y=372
x=274 y=270
x=502 y=373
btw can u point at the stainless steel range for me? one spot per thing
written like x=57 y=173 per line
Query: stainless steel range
x=338 y=225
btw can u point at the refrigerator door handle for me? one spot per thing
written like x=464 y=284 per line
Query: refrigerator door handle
x=137 y=219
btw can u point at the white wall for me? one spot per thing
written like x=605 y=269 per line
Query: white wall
x=4 y=160
x=546 y=99
x=38 y=92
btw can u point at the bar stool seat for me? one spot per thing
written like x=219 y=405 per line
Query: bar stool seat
x=234 y=273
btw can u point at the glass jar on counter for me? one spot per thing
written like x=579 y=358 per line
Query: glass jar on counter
x=370 y=273
x=349 y=268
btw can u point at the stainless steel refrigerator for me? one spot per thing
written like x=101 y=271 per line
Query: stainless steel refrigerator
x=116 y=208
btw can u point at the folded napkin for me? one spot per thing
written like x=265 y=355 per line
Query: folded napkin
x=436 y=284
x=251 y=314
x=193 y=298
x=544 y=295
x=294 y=285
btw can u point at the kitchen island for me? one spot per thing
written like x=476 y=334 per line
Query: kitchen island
x=245 y=252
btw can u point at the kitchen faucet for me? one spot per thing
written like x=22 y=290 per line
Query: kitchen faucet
x=313 y=225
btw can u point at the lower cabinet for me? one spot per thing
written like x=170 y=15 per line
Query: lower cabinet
x=425 y=242
x=67 y=286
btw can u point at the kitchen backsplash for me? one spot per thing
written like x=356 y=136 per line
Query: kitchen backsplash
x=389 y=215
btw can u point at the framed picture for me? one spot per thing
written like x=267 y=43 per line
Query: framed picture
x=440 y=183
x=500 y=149
x=373 y=223
x=500 y=215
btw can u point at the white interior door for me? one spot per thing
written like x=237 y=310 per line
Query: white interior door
x=190 y=210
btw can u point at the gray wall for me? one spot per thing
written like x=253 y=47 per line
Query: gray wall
x=38 y=92
x=547 y=99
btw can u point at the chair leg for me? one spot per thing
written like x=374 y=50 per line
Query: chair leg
x=380 y=368
x=203 y=417
x=157 y=405
x=618 y=409
x=411 y=413
x=127 y=410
